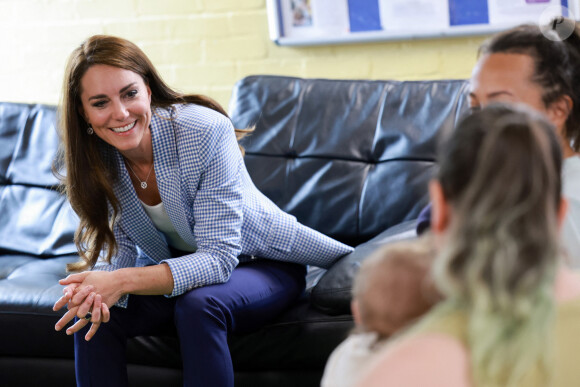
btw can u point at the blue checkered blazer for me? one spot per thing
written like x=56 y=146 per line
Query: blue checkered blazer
x=212 y=202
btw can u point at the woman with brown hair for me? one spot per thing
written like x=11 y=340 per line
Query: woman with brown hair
x=169 y=215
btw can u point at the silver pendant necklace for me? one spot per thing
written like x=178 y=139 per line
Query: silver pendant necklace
x=143 y=183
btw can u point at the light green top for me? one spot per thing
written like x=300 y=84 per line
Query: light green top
x=566 y=349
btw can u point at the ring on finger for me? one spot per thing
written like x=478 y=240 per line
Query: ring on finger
x=88 y=316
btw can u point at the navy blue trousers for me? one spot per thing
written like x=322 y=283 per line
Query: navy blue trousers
x=256 y=293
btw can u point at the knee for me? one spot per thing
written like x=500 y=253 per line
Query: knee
x=200 y=306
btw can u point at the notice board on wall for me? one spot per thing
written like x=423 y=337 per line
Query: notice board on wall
x=316 y=22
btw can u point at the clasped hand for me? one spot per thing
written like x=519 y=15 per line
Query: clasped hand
x=80 y=299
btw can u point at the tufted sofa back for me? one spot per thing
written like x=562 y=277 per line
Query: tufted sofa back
x=34 y=217
x=348 y=158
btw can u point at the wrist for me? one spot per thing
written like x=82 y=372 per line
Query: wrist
x=123 y=279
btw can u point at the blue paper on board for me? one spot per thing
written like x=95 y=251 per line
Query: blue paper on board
x=464 y=12
x=364 y=15
x=565 y=4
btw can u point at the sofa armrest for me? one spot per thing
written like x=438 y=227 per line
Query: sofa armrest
x=332 y=293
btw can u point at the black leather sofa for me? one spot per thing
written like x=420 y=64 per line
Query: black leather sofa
x=351 y=159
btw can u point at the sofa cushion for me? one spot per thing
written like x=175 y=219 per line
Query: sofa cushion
x=36 y=218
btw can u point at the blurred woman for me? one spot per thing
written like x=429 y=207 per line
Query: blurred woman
x=511 y=307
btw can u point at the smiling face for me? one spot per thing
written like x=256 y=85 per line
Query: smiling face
x=117 y=104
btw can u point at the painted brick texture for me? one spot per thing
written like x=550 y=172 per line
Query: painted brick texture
x=199 y=46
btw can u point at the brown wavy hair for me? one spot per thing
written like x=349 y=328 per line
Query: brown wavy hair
x=88 y=181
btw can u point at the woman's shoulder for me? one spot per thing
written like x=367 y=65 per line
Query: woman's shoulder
x=192 y=115
x=190 y=123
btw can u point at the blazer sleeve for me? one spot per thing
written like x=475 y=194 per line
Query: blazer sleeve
x=217 y=210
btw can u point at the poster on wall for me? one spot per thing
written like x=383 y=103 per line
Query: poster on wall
x=310 y=22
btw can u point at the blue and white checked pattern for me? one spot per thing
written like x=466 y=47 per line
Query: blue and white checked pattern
x=211 y=199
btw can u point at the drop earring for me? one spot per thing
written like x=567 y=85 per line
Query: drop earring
x=90 y=130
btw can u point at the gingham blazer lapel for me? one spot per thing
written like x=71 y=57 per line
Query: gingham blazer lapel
x=135 y=221
x=167 y=173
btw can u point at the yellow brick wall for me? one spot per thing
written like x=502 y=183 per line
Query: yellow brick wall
x=199 y=46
